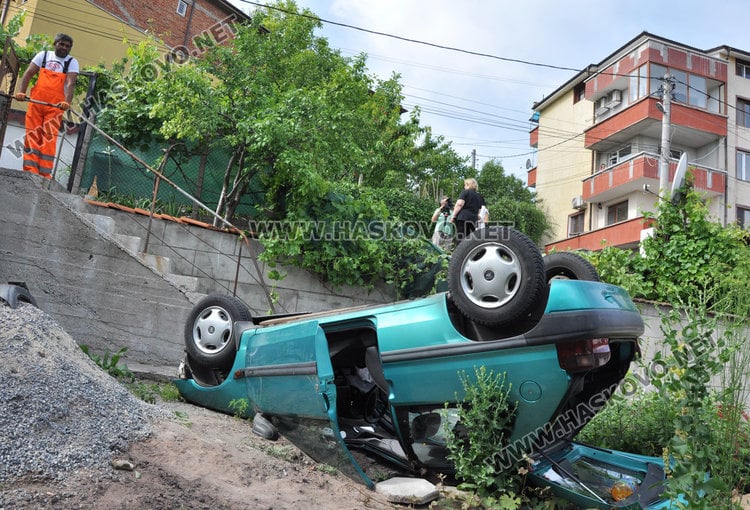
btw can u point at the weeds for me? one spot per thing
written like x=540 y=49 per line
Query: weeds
x=486 y=417
x=240 y=407
x=151 y=392
x=110 y=363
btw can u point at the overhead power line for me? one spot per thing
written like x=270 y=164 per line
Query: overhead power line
x=415 y=41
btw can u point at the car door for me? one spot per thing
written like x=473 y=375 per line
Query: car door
x=289 y=376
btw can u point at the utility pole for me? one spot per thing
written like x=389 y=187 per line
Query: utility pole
x=665 y=107
x=474 y=158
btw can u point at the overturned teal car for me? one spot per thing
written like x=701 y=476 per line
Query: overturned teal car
x=384 y=380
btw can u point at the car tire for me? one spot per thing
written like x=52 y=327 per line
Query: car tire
x=209 y=332
x=496 y=277
x=569 y=266
x=12 y=294
x=559 y=265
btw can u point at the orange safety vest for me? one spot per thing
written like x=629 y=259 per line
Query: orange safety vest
x=43 y=122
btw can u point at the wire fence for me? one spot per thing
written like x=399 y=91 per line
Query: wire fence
x=186 y=183
x=201 y=174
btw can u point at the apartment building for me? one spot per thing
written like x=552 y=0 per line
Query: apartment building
x=598 y=140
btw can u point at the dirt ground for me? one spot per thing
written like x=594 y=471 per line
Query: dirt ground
x=207 y=460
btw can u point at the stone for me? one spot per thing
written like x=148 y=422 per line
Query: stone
x=412 y=491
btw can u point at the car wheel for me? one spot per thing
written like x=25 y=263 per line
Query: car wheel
x=497 y=277
x=569 y=266
x=209 y=331
x=14 y=293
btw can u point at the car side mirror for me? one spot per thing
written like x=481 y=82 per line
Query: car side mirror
x=425 y=425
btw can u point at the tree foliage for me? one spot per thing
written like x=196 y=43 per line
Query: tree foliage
x=689 y=255
x=511 y=202
x=313 y=127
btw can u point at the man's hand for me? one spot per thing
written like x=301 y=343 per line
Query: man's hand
x=20 y=96
x=63 y=105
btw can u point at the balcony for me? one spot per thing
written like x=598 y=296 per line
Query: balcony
x=625 y=235
x=632 y=174
x=534 y=137
x=697 y=127
x=531 y=178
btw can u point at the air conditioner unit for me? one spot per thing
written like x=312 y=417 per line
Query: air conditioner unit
x=615 y=98
x=601 y=105
x=578 y=202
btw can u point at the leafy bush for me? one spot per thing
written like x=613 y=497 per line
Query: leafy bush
x=347 y=236
x=486 y=417
x=701 y=268
x=642 y=423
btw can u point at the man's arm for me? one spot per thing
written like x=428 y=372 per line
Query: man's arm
x=26 y=78
x=70 y=86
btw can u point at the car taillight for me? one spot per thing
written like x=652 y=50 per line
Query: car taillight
x=583 y=354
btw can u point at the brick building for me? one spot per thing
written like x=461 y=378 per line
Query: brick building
x=99 y=29
x=177 y=22
x=599 y=140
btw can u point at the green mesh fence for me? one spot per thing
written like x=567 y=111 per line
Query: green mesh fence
x=121 y=176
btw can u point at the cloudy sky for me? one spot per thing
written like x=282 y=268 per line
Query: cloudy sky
x=476 y=67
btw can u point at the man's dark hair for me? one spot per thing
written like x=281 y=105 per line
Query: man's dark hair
x=63 y=37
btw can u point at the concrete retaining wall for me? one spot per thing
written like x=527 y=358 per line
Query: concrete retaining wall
x=84 y=269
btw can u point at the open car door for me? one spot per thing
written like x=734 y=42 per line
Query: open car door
x=289 y=376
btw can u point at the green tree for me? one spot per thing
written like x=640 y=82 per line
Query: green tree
x=495 y=184
x=316 y=131
x=511 y=202
x=691 y=254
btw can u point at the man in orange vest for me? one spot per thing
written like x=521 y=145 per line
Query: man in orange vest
x=58 y=73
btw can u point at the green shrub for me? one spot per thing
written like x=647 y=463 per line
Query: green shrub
x=642 y=423
x=486 y=417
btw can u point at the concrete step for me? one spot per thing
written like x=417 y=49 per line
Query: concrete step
x=194 y=297
x=188 y=283
x=132 y=244
x=107 y=226
x=161 y=264
x=71 y=201
x=103 y=224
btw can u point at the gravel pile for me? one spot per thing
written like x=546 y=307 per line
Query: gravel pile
x=59 y=411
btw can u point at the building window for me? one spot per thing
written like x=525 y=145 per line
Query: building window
x=182 y=7
x=575 y=224
x=743 y=112
x=743 y=165
x=698 y=93
x=638 y=83
x=617 y=213
x=743 y=217
x=688 y=88
x=579 y=92
x=614 y=157
x=743 y=68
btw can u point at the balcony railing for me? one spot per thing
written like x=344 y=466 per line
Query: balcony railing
x=534 y=137
x=531 y=178
x=625 y=234
x=643 y=169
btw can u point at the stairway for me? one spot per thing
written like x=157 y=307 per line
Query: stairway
x=102 y=219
